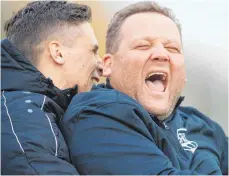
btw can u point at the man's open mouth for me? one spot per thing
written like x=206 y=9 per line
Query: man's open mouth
x=157 y=81
x=95 y=80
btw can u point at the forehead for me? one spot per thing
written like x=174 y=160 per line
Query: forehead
x=149 y=24
x=82 y=33
x=86 y=30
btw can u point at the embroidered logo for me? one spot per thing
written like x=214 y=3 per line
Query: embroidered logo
x=186 y=144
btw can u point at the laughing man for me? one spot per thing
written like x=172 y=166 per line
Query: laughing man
x=134 y=124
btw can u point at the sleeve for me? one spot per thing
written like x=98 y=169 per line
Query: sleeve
x=223 y=147
x=224 y=160
x=31 y=143
x=112 y=139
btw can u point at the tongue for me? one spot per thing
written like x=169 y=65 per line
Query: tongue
x=156 y=85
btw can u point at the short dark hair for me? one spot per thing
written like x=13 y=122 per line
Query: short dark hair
x=113 y=37
x=33 y=23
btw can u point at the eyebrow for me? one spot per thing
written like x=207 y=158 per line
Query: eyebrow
x=177 y=44
x=95 y=48
x=171 y=41
x=143 y=38
x=151 y=39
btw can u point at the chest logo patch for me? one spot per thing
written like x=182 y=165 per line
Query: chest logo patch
x=185 y=143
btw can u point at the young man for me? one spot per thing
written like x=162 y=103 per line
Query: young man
x=134 y=124
x=50 y=55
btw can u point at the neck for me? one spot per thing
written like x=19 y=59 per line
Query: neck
x=54 y=73
x=177 y=101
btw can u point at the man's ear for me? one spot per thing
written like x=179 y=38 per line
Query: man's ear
x=55 y=52
x=107 y=62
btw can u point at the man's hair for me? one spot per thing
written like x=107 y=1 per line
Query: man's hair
x=113 y=33
x=34 y=23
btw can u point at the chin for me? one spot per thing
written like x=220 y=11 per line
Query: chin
x=162 y=109
x=158 y=111
x=85 y=88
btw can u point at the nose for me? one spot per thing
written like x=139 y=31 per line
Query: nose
x=159 y=54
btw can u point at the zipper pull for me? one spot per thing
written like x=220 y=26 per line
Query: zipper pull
x=166 y=127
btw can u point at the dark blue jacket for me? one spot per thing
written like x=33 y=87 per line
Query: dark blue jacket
x=108 y=132
x=31 y=107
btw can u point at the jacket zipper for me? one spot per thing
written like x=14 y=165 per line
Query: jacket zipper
x=181 y=151
x=165 y=126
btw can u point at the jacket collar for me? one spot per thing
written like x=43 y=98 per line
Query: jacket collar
x=180 y=100
x=19 y=74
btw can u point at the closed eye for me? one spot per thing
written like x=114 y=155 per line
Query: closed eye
x=173 y=49
x=143 y=47
x=95 y=49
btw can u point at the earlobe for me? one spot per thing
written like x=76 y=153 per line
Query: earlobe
x=59 y=60
x=55 y=52
x=107 y=62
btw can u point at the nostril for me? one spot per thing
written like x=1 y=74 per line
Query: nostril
x=160 y=59
x=100 y=70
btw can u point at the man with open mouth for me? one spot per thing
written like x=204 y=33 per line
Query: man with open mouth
x=134 y=123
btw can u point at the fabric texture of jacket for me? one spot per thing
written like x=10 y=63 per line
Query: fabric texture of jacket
x=108 y=132
x=31 y=107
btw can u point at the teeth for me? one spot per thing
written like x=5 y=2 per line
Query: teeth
x=94 y=81
x=157 y=73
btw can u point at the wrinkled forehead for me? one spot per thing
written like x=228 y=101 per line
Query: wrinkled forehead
x=149 y=24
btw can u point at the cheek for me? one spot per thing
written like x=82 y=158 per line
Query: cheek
x=178 y=72
x=87 y=62
x=125 y=74
x=131 y=67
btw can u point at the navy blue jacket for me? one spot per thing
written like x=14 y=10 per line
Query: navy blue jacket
x=31 y=107
x=108 y=132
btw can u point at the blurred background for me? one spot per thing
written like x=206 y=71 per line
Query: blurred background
x=205 y=38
